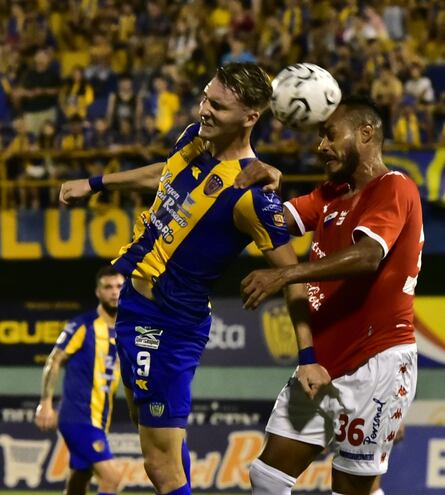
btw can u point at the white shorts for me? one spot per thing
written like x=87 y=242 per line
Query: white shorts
x=358 y=414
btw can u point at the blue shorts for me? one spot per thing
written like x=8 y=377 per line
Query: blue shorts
x=86 y=444
x=158 y=358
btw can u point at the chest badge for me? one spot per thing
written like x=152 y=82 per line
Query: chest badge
x=328 y=219
x=214 y=184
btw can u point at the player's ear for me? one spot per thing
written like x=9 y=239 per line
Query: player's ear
x=252 y=117
x=366 y=133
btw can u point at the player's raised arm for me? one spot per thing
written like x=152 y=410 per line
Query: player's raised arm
x=46 y=416
x=359 y=259
x=310 y=374
x=140 y=178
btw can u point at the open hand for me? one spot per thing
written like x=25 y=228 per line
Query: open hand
x=257 y=172
x=261 y=284
x=73 y=190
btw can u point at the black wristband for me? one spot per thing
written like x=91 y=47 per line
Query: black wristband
x=306 y=356
x=97 y=183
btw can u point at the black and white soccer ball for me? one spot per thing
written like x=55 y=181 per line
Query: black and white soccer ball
x=304 y=95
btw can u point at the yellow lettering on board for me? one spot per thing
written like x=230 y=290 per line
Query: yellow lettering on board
x=11 y=247
x=244 y=447
x=108 y=247
x=10 y=331
x=73 y=246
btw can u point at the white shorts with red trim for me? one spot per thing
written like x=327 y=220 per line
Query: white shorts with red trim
x=358 y=414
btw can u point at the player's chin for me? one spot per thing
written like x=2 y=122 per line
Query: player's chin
x=206 y=131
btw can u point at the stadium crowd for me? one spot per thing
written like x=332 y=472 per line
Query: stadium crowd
x=119 y=80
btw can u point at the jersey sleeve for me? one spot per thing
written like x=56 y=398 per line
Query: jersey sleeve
x=185 y=138
x=260 y=215
x=306 y=210
x=72 y=336
x=387 y=210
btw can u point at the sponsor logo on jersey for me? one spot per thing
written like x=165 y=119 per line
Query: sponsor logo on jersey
x=356 y=457
x=99 y=446
x=142 y=384
x=196 y=171
x=214 y=184
x=148 y=337
x=156 y=409
x=376 y=421
x=278 y=333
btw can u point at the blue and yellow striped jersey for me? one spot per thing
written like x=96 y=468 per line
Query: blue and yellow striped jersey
x=92 y=371
x=197 y=224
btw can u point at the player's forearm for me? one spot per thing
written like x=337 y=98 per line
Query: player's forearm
x=50 y=378
x=298 y=307
x=353 y=261
x=140 y=178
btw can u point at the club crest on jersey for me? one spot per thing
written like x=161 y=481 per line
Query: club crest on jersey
x=329 y=218
x=214 y=184
x=148 y=337
x=157 y=409
x=278 y=219
x=99 y=446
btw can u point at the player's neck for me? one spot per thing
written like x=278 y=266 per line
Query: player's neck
x=109 y=319
x=231 y=149
x=368 y=171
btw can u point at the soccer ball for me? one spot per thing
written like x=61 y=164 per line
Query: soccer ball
x=304 y=95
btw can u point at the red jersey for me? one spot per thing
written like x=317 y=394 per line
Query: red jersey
x=354 y=319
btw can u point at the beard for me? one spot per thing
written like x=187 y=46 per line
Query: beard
x=109 y=309
x=350 y=163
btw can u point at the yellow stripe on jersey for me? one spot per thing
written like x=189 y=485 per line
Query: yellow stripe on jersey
x=98 y=391
x=175 y=164
x=76 y=341
x=155 y=262
x=247 y=221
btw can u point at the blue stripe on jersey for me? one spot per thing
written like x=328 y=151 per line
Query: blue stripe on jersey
x=138 y=250
x=80 y=387
x=190 y=132
x=79 y=377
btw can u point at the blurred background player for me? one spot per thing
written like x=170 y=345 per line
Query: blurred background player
x=88 y=347
x=197 y=225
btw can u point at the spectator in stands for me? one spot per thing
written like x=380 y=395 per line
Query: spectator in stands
x=419 y=86
x=38 y=93
x=123 y=104
x=19 y=167
x=387 y=90
x=77 y=94
x=242 y=22
x=162 y=103
x=238 y=52
x=99 y=135
x=153 y=21
x=394 y=17
x=220 y=17
x=182 y=41
x=407 y=125
x=74 y=137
